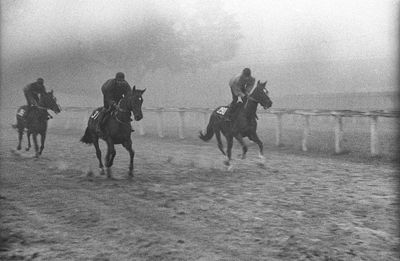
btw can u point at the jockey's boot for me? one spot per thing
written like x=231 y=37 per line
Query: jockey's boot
x=49 y=116
x=100 y=120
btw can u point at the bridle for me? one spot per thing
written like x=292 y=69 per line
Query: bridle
x=249 y=97
x=123 y=111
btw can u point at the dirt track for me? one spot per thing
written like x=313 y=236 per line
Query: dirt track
x=181 y=205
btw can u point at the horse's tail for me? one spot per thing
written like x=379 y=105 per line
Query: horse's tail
x=209 y=132
x=87 y=137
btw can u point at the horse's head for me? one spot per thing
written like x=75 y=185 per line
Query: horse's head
x=260 y=94
x=49 y=101
x=134 y=103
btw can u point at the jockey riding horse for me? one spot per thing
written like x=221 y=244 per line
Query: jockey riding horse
x=32 y=92
x=113 y=91
x=240 y=86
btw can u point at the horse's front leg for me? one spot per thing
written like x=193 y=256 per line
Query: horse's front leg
x=20 y=134
x=254 y=137
x=229 y=141
x=35 y=143
x=239 y=138
x=128 y=146
x=42 y=140
x=28 y=136
x=110 y=157
x=98 y=154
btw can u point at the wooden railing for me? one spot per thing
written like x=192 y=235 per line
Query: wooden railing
x=338 y=116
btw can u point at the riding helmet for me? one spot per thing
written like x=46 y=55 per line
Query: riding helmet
x=120 y=76
x=246 y=72
x=40 y=81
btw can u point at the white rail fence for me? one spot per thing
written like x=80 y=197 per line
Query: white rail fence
x=337 y=115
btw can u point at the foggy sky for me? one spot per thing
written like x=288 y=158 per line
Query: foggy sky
x=274 y=32
x=277 y=30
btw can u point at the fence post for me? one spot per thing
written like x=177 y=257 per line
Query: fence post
x=374 y=135
x=205 y=121
x=278 y=133
x=306 y=132
x=68 y=123
x=160 y=123
x=338 y=133
x=181 y=126
x=141 y=128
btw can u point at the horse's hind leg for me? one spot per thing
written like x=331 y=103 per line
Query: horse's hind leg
x=42 y=140
x=220 y=145
x=98 y=154
x=128 y=146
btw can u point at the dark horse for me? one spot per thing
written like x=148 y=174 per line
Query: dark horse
x=34 y=119
x=117 y=129
x=243 y=123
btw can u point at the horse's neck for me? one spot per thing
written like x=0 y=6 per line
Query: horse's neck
x=250 y=107
x=123 y=113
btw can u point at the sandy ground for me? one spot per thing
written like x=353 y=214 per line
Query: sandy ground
x=182 y=205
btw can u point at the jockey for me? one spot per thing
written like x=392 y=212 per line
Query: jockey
x=32 y=92
x=240 y=86
x=113 y=91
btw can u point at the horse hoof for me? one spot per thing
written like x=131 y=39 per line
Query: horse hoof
x=89 y=174
x=19 y=148
x=261 y=165
x=226 y=162
x=26 y=149
x=230 y=168
x=102 y=172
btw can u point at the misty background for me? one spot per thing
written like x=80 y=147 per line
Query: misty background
x=185 y=52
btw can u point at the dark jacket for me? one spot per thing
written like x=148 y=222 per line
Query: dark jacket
x=114 y=90
x=35 y=88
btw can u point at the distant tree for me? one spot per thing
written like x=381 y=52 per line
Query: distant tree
x=210 y=36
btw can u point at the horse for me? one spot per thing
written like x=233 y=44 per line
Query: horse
x=242 y=124
x=34 y=119
x=117 y=130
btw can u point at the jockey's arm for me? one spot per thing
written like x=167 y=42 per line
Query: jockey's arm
x=237 y=90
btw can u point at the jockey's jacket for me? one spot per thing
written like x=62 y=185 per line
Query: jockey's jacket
x=35 y=88
x=241 y=86
x=114 y=90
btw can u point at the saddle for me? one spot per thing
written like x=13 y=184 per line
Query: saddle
x=228 y=113
x=101 y=115
x=24 y=113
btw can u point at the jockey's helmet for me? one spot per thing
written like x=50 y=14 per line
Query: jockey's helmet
x=120 y=76
x=246 y=72
x=40 y=81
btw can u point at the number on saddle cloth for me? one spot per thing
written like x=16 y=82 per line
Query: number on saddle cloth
x=222 y=110
x=96 y=114
x=21 y=112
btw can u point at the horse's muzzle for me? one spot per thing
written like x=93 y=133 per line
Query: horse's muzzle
x=138 y=117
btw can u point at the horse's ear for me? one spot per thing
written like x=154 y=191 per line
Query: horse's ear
x=143 y=90
x=258 y=82
x=134 y=88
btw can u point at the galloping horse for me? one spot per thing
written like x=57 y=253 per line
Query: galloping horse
x=243 y=123
x=117 y=130
x=36 y=121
